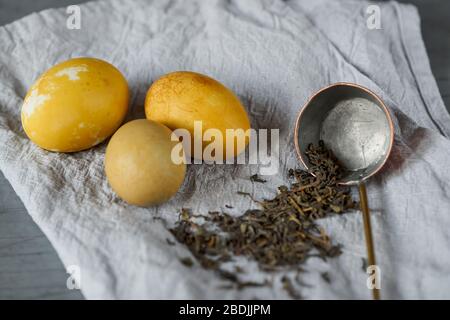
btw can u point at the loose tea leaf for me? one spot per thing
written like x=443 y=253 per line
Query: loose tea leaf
x=256 y=178
x=364 y=264
x=290 y=289
x=280 y=235
x=236 y=283
x=326 y=276
x=187 y=262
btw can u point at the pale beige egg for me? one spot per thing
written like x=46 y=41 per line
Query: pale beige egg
x=139 y=164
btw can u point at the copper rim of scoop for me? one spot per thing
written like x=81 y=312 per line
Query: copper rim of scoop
x=381 y=103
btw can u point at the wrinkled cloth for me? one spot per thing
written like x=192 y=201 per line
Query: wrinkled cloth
x=273 y=55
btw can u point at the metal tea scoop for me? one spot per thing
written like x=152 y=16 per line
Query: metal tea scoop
x=356 y=126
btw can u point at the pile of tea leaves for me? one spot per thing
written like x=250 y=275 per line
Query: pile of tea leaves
x=282 y=234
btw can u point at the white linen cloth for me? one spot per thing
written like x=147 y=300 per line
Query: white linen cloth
x=274 y=55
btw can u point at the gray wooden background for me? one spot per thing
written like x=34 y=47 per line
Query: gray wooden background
x=30 y=267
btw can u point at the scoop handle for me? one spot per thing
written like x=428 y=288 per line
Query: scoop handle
x=368 y=232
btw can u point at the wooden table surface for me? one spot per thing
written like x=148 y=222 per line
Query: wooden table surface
x=30 y=267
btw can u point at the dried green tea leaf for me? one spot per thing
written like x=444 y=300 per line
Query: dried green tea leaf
x=326 y=277
x=256 y=178
x=364 y=264
x=187 y=262
x=280 y=235
x=289 y=288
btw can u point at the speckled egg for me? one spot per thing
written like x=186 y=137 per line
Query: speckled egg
x=181 y=99
x=75 y=105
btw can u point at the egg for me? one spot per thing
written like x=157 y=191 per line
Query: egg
x=183 y=99
x=75 y=105
x=139 y=164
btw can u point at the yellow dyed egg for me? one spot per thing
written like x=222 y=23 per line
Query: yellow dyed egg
x=75 y=105
x=139 y=163
x=197 y=103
